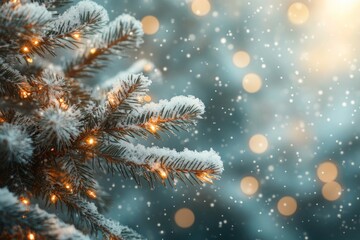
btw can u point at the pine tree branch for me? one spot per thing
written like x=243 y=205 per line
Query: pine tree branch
x=121 y=34
x=10 y=80
x=19 y=23
x=179 y=113
x=159 y=163
x=83 y=19
x=53 y=4
x=45 y=225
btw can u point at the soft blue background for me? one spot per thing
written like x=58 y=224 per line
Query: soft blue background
x=308 y=110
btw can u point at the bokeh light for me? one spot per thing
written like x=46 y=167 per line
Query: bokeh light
x=252 y=83
x=200 y=7
x=258 y=143
x=331 y=191
x=150 y=25
x=287 y=206
x=327 y=172
x=249 y=185
x=241 y=59
x=298 y=13
x=184 y=218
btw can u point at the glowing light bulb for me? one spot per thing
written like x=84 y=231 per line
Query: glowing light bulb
x=24 y=94
x=91 y=194
x=147 y=98
x=25 y=49
x=29 y=59
x=93 y=50
x=25 y=201
x=76 y=36
x=162 y=173
x=35 y=42
x=31 y=236
x=90 y=141
x=205 y=177
x=53 y=198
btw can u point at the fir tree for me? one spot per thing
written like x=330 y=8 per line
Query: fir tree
x=56 y=132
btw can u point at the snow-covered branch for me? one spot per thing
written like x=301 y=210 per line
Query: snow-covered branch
x=37 y=221
x=123 y=33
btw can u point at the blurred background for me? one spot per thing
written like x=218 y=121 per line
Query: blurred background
x=280 y=81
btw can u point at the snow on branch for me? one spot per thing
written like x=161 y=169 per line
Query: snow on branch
x=67 y=29
x=16 y=146
x=13 y=213
x=10 y=79
x=123 y=33
x=89 y=213
x=177 y=113
x=52 y=4
x=161 y=163
x=58 y=127
x=84 y=16
x=14 y=16
x=127 y=92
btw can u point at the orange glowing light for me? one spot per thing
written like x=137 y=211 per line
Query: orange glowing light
x=91 y=141
x=25 y=49
x=76 y=36
x=24 y=94
x=91 y=194
x=31 y=236
x=147 y=98
x=29 y=59
x=25 y=201
x=53 y=198
x=162 y=173
x=93 y=50
x=205 y=177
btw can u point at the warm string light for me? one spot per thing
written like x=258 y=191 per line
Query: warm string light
x=29 y=59
x=24 y=94
x=25 y=201
x=147 y=98
x=91 y=194
x=25 y=49
x=76 y=36
x=91 y=141
x=162 y=173
x=31 y=236
x=53 y=198
x=62 y=104
x=68 y=187
x=2 y=120
x=205 y=177
x=151 y=125
x=35 y=41
x=93 y=50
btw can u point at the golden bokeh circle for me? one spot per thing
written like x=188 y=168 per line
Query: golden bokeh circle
x=287 y=206
x=331 y=191
x=200 y=7
x=252 y=83
x=241 y=59
x=249 y=185
x=327 y=172
x=150 y=24
x=258 y=143
x=298 y=13
x=184 y=218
